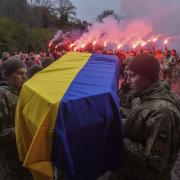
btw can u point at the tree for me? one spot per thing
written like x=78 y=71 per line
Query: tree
x=38 y=39
x=16 y=36
x=64 y=10
x=42 y=3
x=16 y=9
x=107 y=13
x=40 y=13
x=13 y=35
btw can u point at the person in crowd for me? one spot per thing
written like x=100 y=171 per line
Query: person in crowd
x=172 y=63
x=5 y=56
x=166 y=67
x=23 y=58
x=33 y=70
x=152 y=127
x=14 y=72
x=31 y=61
x=110 y=52
x=38 y=59
x=1 y=75
x=46 y=61
x=174 y=53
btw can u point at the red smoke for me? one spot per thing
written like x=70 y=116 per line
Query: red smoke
x=146 y=24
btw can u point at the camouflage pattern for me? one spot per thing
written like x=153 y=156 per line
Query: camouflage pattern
x=125 y=95
x=60 y=175
x=152 y=134
x=10 y=166
x=126 y=103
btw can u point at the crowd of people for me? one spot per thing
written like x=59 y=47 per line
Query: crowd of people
x=34 y=62
x=168 y=59
x=150 y=111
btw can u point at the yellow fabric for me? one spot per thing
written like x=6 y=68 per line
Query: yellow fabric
x=37 y=110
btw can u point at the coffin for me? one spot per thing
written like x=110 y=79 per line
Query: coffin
x=68 y=117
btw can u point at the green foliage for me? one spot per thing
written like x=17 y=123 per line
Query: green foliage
x=12 y=35
x=16 y=36
x=39 y=38
x=29 y=25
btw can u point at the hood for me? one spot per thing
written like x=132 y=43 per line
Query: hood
x=162 y=91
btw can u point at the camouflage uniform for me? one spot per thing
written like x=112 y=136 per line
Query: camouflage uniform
x=10 y=166
x=152 y=135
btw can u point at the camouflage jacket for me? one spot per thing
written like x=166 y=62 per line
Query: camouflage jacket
x=8 y=100
x=152 y=133
x=10 y=166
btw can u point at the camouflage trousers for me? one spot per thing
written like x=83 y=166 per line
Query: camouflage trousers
x=11 y=168
x=60 y=175
x=134 y=171
x=127 y=175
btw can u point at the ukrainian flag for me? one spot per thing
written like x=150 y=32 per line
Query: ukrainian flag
x=68 y=117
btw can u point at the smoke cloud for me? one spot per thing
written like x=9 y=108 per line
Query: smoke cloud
x=143 y=22
x=115 y=33
x=162 y=15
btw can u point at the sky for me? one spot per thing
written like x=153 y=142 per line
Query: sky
x=89 y=9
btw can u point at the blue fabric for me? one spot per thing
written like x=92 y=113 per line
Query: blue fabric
x=88 y=136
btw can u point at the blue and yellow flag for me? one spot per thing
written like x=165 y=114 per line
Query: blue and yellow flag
x=68 y=116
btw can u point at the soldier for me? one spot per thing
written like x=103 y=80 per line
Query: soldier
x=14 y=72
x=152 y=128
x=5 y=56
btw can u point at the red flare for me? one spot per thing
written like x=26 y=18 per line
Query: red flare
x=143 y=44
x=50 y=44
x=134 y=46
x=119 y=46
x=105 y=44
x=83 y=46
x=154 y=39
x=71 y=45
x=75 y=49
x=94 y=43
x=165 y=41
